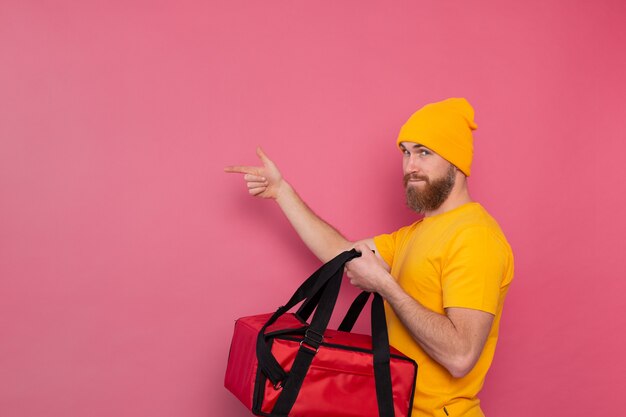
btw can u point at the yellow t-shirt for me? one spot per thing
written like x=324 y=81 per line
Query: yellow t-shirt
x=459 y=258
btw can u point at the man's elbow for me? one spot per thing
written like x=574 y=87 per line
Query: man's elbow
x=461 y=365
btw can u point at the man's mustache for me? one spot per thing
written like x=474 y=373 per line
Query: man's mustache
x=412 y=176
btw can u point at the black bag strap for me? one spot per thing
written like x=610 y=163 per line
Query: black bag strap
x=305 y=310
x=313 y=339
x=382 y=357
x=308 y=348
x=315 y=284
x=354 y=312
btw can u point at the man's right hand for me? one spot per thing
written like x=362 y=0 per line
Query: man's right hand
x=265 y=181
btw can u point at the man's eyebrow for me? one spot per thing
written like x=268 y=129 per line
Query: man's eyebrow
x=414 y=146
x=418 y=146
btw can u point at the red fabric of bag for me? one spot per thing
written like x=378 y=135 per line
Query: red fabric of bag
x=340 y=381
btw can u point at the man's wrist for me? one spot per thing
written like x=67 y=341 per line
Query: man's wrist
x=390 y=289
x=283 y=190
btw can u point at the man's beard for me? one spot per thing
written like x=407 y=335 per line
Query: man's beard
x=434 y=193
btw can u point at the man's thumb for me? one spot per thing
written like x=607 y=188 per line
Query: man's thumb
x=264 y=158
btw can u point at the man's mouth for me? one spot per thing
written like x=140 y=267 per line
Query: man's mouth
x=414 y=179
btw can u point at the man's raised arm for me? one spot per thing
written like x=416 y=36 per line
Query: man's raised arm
x=267 y=182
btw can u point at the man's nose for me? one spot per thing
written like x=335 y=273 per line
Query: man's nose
x=412 y=164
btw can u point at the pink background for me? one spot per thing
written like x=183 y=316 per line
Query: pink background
x=126 y=253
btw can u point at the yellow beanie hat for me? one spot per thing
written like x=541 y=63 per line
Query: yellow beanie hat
x=446 y=128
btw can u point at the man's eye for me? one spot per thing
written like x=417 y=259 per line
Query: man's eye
x=424 y=152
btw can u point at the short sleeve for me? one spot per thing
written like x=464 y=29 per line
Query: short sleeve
x=473 y=271
x=386 y=246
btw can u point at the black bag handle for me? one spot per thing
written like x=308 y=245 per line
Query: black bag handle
x=315 y=284
x=323 y=293
x=349 y=320
x=381 y=362
x=382 y=358
x=307 y=307
x=354 y=312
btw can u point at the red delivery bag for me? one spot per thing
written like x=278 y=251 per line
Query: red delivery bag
x=281 y=365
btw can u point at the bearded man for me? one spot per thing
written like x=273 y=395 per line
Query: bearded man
x=444 y=278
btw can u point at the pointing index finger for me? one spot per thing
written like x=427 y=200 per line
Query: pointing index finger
x=242 y=170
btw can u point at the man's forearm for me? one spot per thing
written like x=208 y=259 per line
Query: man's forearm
x=320 y=237
x=434 y=332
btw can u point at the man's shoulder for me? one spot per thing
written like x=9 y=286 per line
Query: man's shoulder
x=473 y=215
x=477 y=226
x=404 y=230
